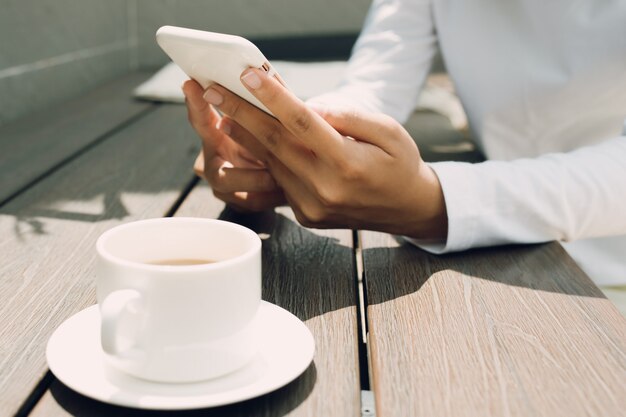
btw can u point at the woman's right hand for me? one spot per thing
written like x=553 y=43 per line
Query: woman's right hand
x=235 y=175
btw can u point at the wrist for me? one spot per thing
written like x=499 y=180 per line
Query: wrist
x=431 y=220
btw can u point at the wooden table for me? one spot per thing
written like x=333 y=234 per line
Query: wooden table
x=504 y=331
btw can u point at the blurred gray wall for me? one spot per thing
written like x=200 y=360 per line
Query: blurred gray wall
x=52 y=50
x=249 y=18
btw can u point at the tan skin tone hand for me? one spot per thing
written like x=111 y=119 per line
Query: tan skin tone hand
x=336 y=168
x=236 y=176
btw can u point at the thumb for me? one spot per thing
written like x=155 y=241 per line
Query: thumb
x=374 y=128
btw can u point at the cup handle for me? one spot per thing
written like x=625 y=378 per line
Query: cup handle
x=111 y=310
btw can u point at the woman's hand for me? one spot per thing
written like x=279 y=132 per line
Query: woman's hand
x=336 y=168
x=236 y=176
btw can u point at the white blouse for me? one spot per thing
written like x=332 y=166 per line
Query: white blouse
x=544 y=88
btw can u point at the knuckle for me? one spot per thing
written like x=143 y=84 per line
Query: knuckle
x=300 y=122
x=343 y=116
x=271 y=135
x=314 y=214
x=392 y=125
x=351 y=171
x=269 y=94
x=385 y=118
x=199 y=171
x=231 y=106
x=235 y=108
x=349 y=114
x=328 y=197
x=302 y=219
x=228 y=198
x=214 y=178
x=218 y=195
x=198 y=165
x=397 y=130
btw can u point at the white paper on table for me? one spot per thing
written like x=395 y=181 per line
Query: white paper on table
x=305 y=80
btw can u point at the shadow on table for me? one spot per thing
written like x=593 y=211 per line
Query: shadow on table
x=301 y=261
x=396 y=268
x=277 y=403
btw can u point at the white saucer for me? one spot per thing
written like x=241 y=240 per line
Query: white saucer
x=76 y=359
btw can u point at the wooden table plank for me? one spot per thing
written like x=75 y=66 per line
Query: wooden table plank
x=311 y=274
x=512 y=331
x=31 y=146
x=47 y=235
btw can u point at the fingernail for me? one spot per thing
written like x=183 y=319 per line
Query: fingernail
x=251 y=80
x=213 y=97
x=224 y=126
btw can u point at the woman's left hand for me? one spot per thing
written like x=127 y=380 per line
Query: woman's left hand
x=337 y=168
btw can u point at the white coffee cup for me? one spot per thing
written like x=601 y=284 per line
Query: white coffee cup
x=178 y=323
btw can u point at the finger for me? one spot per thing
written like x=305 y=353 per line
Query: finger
x=300 y=196
x=193 y=93
x=374 y=128
x=249 y=201
x=296 y=116
x=198 y=165
x=244 y=139
x=225 y=178
x=300 y=158
x=272 y=135
x=202 y=117
x=304 y=126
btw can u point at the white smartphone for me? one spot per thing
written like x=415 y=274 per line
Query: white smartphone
x=210 y=57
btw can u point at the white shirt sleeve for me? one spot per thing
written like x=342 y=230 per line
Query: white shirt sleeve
x=390 y=59
x=565 y=196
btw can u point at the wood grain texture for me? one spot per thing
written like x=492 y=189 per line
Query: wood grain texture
x=31 y=146
x=309 y=273
x=47 y=235
x=510 y=331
